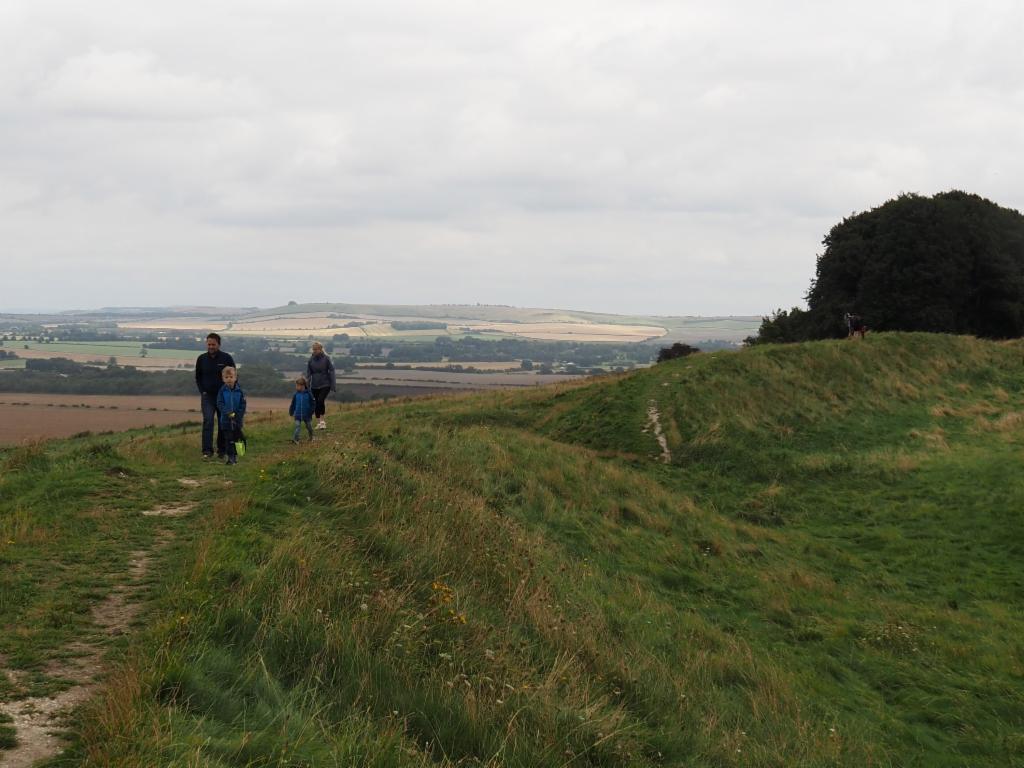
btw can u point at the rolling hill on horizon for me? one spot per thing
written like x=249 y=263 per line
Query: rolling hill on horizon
x=799 y=555
x=498 y=320
x=474 y=311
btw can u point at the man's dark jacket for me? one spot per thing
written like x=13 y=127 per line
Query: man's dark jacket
x=208 y=371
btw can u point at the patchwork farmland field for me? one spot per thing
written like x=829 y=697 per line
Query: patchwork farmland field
x=26 y=417
x=152 y=362
x=573 y=331
x=34 y=416
x=376 y=322
x=322 y=326
x=99 y=353
x=448 y=380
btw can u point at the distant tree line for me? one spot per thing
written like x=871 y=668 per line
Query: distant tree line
x=506 y=350
x=418 y=325
x=447 y=352
x=77 y=333
x=59 y=375
x=62 y=376
x=677 y=350
x=952 y=263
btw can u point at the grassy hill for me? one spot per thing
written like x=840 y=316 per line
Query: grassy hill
x=821 y=569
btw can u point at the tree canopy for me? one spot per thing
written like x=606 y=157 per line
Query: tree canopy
x=951 y=263
x=677 y=350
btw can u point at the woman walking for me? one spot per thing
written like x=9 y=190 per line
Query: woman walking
x=320 y=375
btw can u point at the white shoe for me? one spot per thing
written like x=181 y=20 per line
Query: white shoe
x=322 y=424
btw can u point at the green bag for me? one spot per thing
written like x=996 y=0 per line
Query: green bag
x=240 y=447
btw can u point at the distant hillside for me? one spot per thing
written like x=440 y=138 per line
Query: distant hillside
x=491 y=312
x=304 y=319
x=784 y=556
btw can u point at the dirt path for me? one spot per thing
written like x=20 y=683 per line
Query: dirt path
x=654 y=425
x=37 y=720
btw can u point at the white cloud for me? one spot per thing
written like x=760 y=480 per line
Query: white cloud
x=644 y=156
x=133 y=85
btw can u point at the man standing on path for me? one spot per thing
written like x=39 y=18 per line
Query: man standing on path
x=209 y=367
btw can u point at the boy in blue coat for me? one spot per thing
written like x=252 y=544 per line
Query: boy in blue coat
x=231 y=407
x=301 y=408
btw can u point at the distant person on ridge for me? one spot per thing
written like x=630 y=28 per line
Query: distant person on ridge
x=855 y=326
x=301 y=408
x=320 y=375
x=231 y=407
x=209 y=379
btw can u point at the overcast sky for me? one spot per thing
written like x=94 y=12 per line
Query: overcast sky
x=643 y=157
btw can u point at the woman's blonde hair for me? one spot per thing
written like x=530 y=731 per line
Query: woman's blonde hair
x=316 y=344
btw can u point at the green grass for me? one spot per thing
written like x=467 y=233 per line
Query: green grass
x=825 y=574
x=12 y=364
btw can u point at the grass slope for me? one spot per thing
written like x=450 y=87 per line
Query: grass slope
x=826 y=573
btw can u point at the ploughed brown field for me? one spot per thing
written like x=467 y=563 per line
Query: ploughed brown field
x=33 y=416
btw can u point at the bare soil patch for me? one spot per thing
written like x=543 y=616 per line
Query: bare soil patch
x=170 y=510
x=35 y=721
x=654 y=426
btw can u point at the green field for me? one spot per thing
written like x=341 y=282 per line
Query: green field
x=12 y=364
x=825 y=572
x=81 y=347
x=101 y=350
x=183 y=355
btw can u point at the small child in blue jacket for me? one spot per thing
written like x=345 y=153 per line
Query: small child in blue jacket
x=231 y=406
x=301 y=408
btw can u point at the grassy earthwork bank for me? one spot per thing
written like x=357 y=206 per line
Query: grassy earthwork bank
x=825 y=572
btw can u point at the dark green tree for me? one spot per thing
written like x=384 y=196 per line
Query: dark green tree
x=783 y=327
x=952 y=263
x=675 y=351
